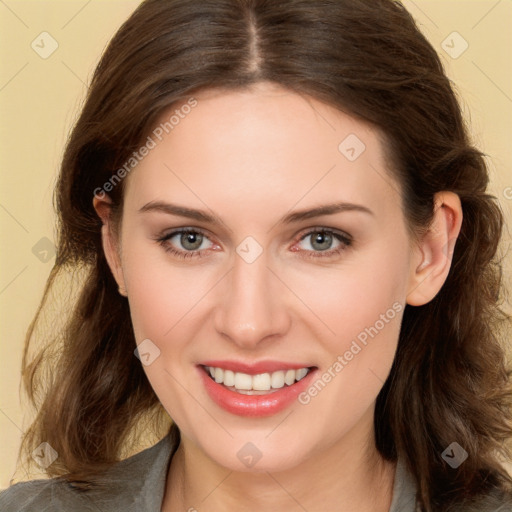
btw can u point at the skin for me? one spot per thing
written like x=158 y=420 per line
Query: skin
x=251 y=157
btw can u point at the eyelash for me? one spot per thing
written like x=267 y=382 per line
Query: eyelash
x=345 y=239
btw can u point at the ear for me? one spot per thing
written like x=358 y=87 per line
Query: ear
x=433 y=255
x=109 y=240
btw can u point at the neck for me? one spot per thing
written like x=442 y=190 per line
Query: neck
x=350 y=476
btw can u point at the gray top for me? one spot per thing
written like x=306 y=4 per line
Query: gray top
x=137 y=484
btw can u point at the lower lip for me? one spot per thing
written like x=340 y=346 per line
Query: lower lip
x=254 y=405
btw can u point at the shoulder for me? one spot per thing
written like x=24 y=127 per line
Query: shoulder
x=133 y=484
x=496 y=501
x=42 y=495
x=405 y=497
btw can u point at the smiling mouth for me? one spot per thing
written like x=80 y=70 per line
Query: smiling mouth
x=259 y=384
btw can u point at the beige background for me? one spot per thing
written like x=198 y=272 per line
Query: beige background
x=40 y=98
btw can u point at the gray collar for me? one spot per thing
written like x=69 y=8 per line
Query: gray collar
x=157 y=459
x=404 y=490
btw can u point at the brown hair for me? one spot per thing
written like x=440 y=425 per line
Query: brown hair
x=449 y=381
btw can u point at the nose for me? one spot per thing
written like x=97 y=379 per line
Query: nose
x=252 y=305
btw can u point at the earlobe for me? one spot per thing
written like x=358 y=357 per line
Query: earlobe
x=103 y=208
x=435 y=250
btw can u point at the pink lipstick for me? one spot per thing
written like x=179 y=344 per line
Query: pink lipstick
x=254 y=389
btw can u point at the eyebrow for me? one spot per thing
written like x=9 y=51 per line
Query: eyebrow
x=297 y=216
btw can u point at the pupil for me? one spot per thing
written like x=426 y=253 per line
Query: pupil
x=322 y=237
x=191 y=238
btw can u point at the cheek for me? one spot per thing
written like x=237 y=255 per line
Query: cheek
x=351 y=311
x=337 y=302
x=161 y=295
x=360 y=306
x=357 y=358
x=164 y=303
x=350 y=300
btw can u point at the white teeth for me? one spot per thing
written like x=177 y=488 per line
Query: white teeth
x=301 y=373
x=277 y=380
x=289 y=377
x=242 y=380
x=229 y=378
x=260 y=382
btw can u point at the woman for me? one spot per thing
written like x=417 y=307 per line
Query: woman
x=277 y=207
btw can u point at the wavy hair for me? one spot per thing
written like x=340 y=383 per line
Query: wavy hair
x=449 y=381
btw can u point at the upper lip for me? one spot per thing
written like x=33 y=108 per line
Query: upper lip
x=255 y=368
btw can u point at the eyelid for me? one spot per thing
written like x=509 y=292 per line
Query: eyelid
x=176 y=231
x=325 y=229
x=345 y=238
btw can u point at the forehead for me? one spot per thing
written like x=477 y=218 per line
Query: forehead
x=258 y=148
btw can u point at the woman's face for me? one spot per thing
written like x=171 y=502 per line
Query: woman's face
x=260 y=286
